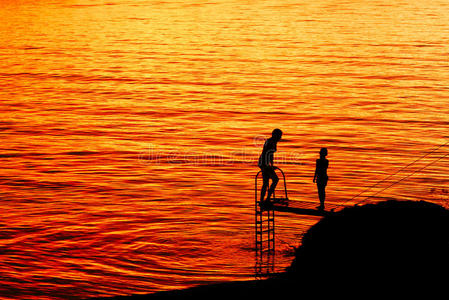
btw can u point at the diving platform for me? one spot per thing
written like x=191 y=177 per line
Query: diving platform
x=307 y=208
x=265 y=223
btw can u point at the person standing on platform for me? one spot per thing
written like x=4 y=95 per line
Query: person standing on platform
x=321 y=177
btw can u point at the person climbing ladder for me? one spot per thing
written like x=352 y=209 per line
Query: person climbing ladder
x=266 y=160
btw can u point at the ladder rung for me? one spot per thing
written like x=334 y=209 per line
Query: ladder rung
x=267 y=250
x=264 y=221
x=264 y=241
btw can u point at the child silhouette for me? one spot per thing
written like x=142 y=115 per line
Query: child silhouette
x=321 y=177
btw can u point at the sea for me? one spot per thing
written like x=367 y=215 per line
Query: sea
x=130 y=131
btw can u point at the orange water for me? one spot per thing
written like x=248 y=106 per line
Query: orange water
x=130 y=130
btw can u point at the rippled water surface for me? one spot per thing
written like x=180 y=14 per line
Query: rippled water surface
x=130 y=130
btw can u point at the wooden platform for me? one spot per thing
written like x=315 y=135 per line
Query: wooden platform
x=308 y=208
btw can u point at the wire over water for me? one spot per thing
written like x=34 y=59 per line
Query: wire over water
x=400 y=170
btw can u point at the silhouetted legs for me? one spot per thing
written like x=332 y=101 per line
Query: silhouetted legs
x=321 y=193
x=267 y=174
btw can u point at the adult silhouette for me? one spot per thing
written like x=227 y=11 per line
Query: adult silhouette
x=266 y=164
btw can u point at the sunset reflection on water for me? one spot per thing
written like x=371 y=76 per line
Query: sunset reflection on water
x=131 y=130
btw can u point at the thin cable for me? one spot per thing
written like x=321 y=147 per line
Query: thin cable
x=403 y=168
x=413 y=173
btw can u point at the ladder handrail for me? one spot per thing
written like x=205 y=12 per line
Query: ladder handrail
x=285 y=184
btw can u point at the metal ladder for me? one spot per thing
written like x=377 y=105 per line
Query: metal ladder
x=265 y=230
